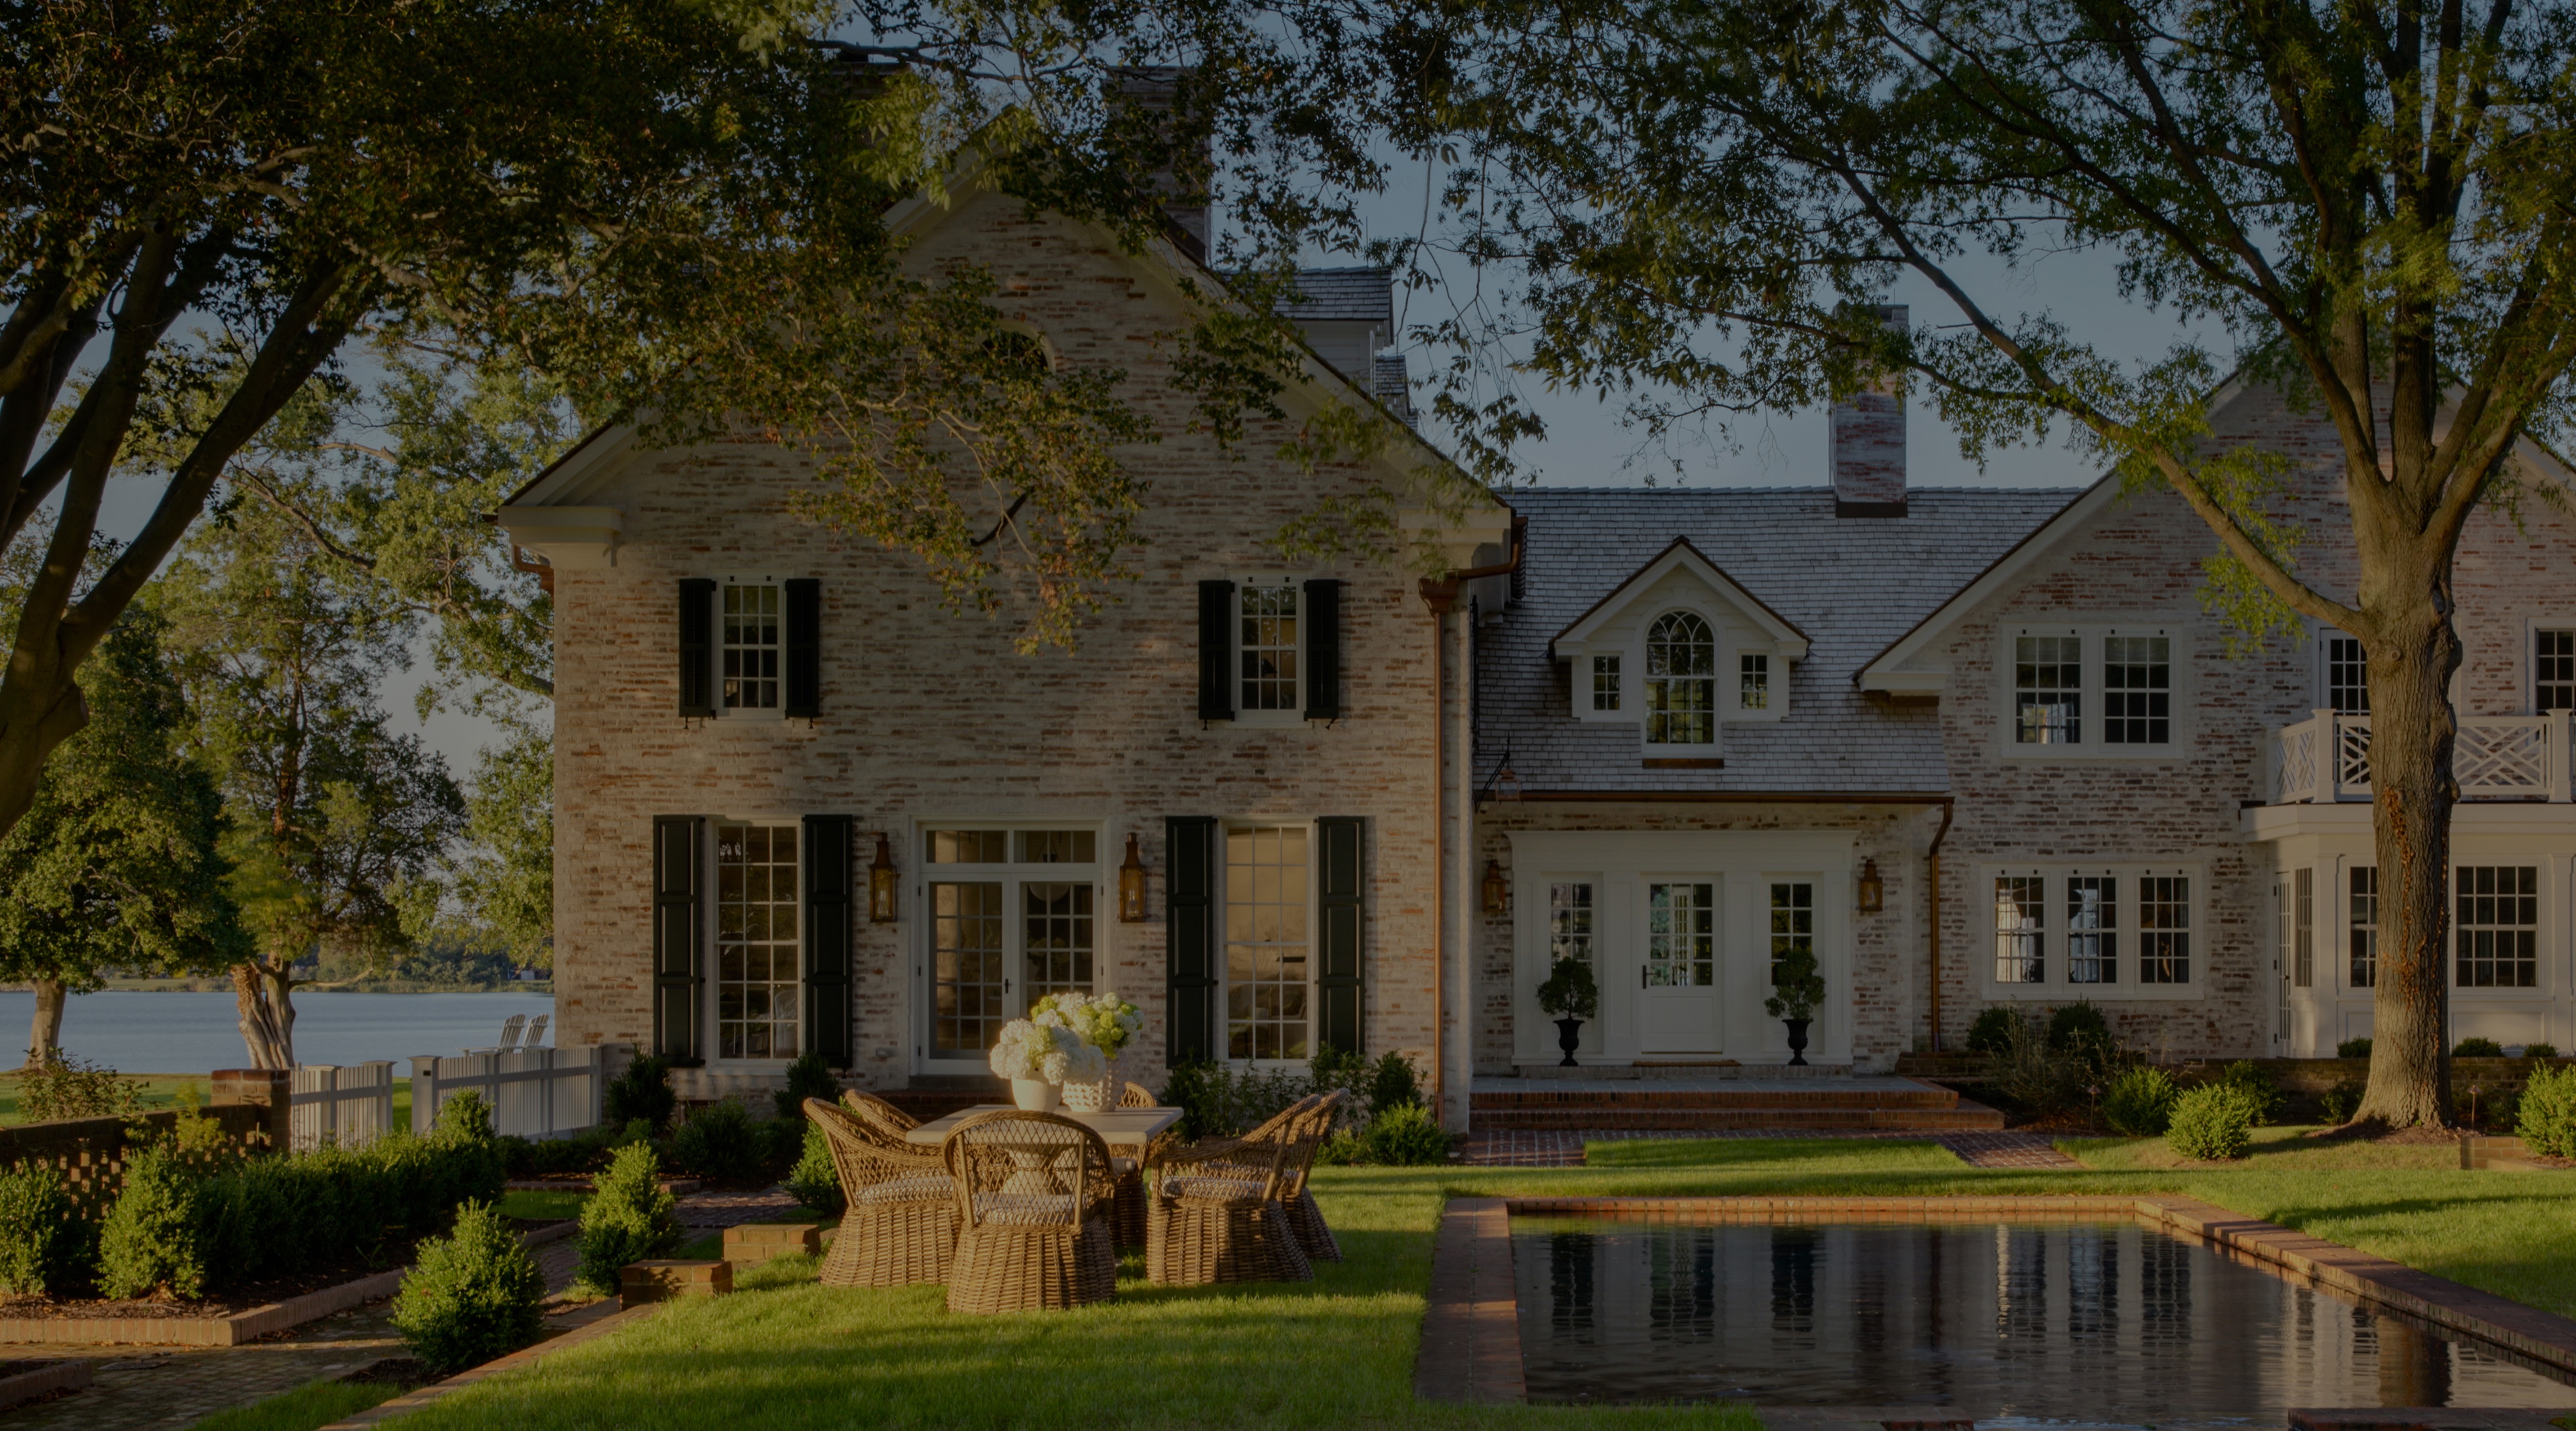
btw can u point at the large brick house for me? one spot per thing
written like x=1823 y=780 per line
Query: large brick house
x=1971 y=746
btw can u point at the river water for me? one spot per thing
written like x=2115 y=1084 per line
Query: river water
x=134 y=1032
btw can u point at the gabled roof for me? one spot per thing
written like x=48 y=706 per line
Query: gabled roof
x=1682 y=556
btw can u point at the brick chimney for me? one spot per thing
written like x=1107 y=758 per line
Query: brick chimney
x=1156 y=89
x=1869 y=444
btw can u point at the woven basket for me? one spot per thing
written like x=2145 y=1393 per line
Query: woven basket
x=1094 y=1097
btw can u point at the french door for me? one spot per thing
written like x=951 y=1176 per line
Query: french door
x=1678 y=1007
x=1010 y=916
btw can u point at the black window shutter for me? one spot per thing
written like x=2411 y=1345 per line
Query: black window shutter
x=1189 y=950
x=829 y=935
x=804 y=648
x=1323 y=649
x=697 y=647
x=1338 y=899
x=1216 y=650
x=679 y=938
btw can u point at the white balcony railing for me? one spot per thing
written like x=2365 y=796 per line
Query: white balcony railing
x=2326 y=758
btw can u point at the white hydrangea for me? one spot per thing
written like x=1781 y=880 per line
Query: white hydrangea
x=1104 y=1021
x=1047 y=1047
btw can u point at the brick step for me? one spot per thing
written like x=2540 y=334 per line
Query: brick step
x=1648 y=1097
x=1966 y=1118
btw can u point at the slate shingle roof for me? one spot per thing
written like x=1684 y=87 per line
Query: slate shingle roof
x=1854 y=585
x=1392 y=385
x=1344 y=295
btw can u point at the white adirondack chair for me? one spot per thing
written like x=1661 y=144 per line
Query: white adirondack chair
x=510 y=1028
x=535 y=1037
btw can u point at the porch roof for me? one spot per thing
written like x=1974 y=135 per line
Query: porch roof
x=1853 y=585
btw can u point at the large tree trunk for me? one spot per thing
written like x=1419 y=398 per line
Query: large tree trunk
x=2412 y=730
x=45 y=1035
x=267 y=1019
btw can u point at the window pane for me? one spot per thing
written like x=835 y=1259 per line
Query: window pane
x=969 y=847
x=2048 y=682
x=2164 y=929
x=1056 y=939
x=1605 y=683
x=756 y=950
x=1793 y=922
x=2303 y=928
x=2365 y=927
x=1569 y=923
x=2553 y=671
x=2499 y=926
x=751 y=647
x=1753 y=683
x=967 y=1005
x=2137 y=694
x=2092 y=929
x=2021 y=923
x=2347 y=676
x=1268 y=648
x=1681 y=681
x=1057 y=847
x=1681 y=936
x=1266 y=952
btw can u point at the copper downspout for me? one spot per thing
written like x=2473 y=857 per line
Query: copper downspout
x=1948 y=809
x=1439 y=596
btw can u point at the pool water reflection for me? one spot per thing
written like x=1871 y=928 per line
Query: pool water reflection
x=2098 y=1323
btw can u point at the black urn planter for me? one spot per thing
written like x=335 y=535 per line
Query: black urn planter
x=1569 y=1035
x=1797 y=1042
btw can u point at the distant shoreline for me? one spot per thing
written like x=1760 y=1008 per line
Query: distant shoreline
x=390 y=986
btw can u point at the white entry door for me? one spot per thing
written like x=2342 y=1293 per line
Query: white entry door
x=1677 y=994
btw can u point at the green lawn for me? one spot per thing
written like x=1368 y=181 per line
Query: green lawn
x=314 y=1404
x=2289 y=1149
x=785 y=1353
x=542 y=1206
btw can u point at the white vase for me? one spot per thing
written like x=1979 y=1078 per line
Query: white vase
x=1035 y=1094
x=1097 y=1094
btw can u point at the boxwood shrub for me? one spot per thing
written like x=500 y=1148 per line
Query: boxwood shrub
x=474 y=1295
x=2214 y=1122
x=2140 y=1102
x=629 y=1218
x=2546 y=1118
x=40 y=1230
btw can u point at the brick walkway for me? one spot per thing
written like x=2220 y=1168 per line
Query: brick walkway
x=1553 y=1148
x=149 y=1388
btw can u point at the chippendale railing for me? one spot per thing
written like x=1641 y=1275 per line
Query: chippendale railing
x=2327 y=758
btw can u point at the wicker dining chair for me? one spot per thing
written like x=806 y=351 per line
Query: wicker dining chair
x=1305 y=1219
x=1033 y=1194
x=1216 y=1212
x=900 y=1226
x=878 y=1111
x=1137 y=1095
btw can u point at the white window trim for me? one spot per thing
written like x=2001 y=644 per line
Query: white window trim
x=1295 y=716
x=711 y=918
x=1720 y=694
x=1630 y=650
x=2090 y=747
x=2053 y=987
x=2548 y=938
x=716 y=651
x=1224 y=1031
x=913 y=904
x=2532 y=626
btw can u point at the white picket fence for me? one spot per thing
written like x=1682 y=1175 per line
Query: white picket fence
x=532 y=1092
x=347 y=1105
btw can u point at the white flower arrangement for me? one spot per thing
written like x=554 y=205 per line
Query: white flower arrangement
x=1045 y=1048
x=1104 y=1021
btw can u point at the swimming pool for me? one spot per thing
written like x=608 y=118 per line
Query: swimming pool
x=2090 y=1322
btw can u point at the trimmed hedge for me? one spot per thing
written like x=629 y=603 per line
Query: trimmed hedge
x=2546 y=1117
x=40 y=1230
x=474 y=1296
x=630 y=1218
x=2214 y=1122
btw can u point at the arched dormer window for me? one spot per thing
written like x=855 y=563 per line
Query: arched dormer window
x=1681 y=681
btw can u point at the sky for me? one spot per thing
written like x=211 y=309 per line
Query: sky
x=1586 y=443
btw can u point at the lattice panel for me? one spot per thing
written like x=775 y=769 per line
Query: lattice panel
x=2352 y=754
x=2500 y=758
x=2294 y=773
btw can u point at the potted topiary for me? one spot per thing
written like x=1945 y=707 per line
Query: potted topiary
x=1799 y=989
x=1570 y=996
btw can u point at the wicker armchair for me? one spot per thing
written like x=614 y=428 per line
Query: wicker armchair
x=1033 y=1194
x=901 y=1225
x=1216 y=1211
x=1305 y=1219
x=1137 y=1095
x=878 y=1111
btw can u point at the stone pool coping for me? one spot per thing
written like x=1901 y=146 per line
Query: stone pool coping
x=1471 y=1338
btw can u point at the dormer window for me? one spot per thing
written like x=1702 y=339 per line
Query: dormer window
x=1605 y=683
x=1753 y=682
x=1681 y=681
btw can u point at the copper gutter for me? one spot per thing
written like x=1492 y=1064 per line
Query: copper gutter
x=1948 y=810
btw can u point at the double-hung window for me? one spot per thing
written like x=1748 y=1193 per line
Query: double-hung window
x=2361 y=929
x=751 y=627
x=1605 y=683
x=2497 y=926
x=2091 y=690
x=1268 y=648
x=1753 y=681
x=2118 y=932
x=2347 y=674
x=2553 y=671
x=1681 y=681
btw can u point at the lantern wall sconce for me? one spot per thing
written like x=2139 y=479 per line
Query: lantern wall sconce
x=881 y=884
x=1131 y=885
x=1873 y=890
x=1498 y=889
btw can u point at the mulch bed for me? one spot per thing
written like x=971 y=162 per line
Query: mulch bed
x=224 y=1302
x=407 y=1372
